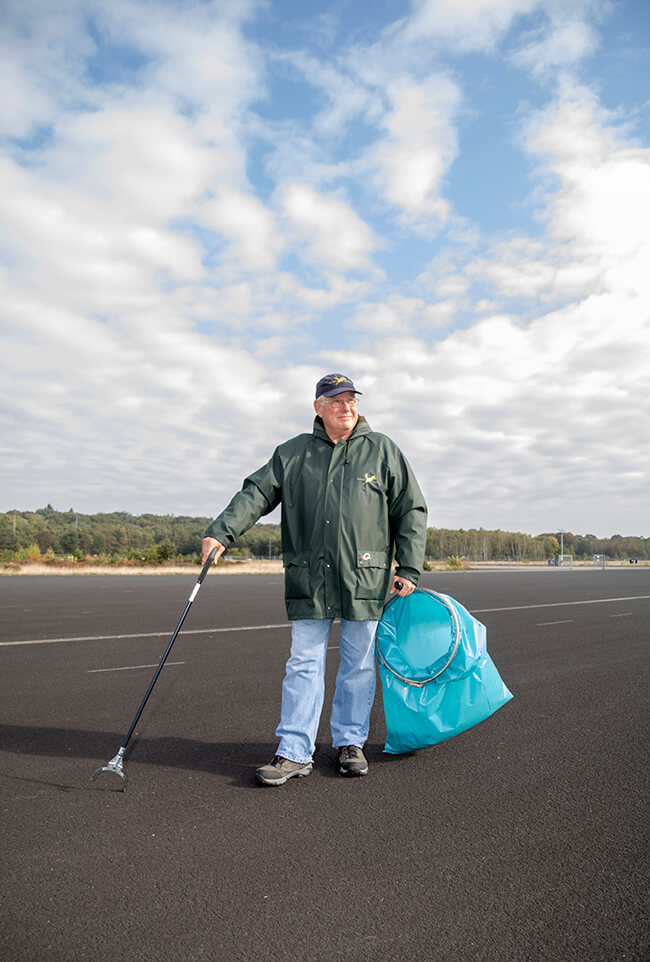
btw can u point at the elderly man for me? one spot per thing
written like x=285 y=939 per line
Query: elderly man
x=349 y=502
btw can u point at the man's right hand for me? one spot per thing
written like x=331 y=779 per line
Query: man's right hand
x=208 y=545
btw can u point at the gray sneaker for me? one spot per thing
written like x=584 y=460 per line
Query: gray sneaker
x=280 y=770
x=352 y=761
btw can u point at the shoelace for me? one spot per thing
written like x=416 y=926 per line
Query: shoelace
x=349 y=752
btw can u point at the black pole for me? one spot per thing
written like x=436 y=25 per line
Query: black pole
x=115 y=766
x=195 y=590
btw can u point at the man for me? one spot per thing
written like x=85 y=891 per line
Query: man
x=349 y=500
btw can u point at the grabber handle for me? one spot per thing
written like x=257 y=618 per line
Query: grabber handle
x=206 y=566
x=199 y=580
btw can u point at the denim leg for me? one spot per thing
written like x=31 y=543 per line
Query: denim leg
x=355 y=684
x=303 y=689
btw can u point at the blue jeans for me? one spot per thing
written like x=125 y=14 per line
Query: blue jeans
x=303 y=688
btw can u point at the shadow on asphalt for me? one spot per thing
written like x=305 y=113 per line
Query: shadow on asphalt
x=234 y=760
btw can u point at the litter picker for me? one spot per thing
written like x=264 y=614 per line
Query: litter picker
x=115 y=766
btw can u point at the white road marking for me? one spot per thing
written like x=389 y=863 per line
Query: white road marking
x=208 y=631
x=624 y=614
x=97 y=671
x=543 y=624
x=562 y=604
x=140 y=634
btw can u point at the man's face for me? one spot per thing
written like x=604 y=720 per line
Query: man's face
x=339 y=414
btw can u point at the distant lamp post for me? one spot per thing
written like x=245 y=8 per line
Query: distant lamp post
x=561 y=534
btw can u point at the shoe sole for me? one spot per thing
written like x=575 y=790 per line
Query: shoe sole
x=350 y=774
x=273 y=782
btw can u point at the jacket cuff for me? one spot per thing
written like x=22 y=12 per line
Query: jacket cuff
x=411 y=573
x=218 y=534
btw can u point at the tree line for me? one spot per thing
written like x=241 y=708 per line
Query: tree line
x=496 y=545
x=46 y=534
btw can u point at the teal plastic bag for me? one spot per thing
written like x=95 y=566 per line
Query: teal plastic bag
x=436 y=675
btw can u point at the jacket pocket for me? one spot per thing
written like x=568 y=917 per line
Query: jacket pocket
x=372 y=575
x=297 y=577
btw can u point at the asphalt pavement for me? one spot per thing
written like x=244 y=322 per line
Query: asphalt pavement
x=524 y=838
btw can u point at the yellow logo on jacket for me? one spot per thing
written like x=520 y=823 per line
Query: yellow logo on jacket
x=368 y=478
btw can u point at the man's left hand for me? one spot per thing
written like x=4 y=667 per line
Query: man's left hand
x=407 y=587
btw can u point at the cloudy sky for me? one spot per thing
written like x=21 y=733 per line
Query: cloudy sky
x=208 y=204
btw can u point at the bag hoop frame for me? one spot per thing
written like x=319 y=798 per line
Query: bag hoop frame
x=420 y=683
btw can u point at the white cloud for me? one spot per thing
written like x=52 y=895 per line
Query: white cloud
x=379 y=87
x=524 y=269
x=252 y=229
x=562 y=42
x=44 y=53
x=398 y=313
x=504 y=414
x=82 y=249
x=604 y=179
x=465 y=25
x=195 y=52
x=178 y=256
x=420 y=146
x=345 y=96
x=454 y=285
x=335 y=237
x=594 y=208
x=147 y=161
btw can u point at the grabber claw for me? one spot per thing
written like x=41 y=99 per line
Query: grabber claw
x=115 y=766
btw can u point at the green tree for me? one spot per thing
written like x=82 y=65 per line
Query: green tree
x=45 y=540
x=69 y=541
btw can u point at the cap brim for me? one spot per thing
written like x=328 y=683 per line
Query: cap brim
x=340 y=390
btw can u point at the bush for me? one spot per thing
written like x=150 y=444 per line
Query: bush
x=31 y=553
x=164 y=551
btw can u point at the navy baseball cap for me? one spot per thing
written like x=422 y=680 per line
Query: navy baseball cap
x=333 y=384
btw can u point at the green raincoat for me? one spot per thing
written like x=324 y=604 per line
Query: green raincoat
x=346 y=507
